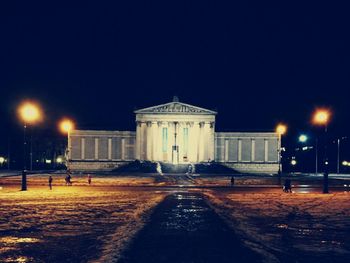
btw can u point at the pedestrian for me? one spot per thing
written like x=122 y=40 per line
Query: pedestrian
x=232 y=181
x=68 y=177
x=50 y=182
x=287 y=187
x=89 y=179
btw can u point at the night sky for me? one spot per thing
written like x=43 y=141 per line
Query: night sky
x=97 y=62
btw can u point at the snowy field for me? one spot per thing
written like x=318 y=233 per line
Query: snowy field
x=289 y=227
x=83 y=223
x=76 y=223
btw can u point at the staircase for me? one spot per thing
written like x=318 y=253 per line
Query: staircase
x=174 y=168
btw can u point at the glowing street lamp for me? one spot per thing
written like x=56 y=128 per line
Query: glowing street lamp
x=29 y=113
x=321 y=117
x=281 y=129
x=66 y=126
x=2 y=160
x=303 y=138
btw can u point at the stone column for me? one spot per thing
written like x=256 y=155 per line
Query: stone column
x=226 y=150
x=201 y=142
x=96 y=148
x=239 y=150
x=191 y=142
x=138 y=140
x=82 y=148
x=160 y=141
x=252 y=158
x=149 y=141
x=122 y=149
x=143 y=141
x=211 y=141
x=266 y=150
x=154 y=129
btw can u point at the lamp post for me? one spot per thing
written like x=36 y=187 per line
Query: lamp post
x=66 y=126
x=321 y=118
x=338 y=153
x=29 y=113
x=281 y=129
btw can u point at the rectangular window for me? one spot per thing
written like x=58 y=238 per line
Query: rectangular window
x=165 y=140
x=185 y=136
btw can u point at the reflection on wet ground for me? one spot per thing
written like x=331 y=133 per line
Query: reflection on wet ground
x=183 y=228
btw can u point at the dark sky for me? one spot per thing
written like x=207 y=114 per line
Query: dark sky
x=98 y=61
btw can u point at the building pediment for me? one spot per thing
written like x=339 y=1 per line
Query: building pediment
x=175 y=108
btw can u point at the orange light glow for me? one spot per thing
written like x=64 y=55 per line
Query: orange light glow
x=29 y=112
x=281 y=129
x=66 y=126
x=321 y=117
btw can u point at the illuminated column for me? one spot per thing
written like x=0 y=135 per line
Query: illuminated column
x=252 y=158
x=138 y=140
x=180 y=140
x=149 y=141
x=82 y=148
x=109 y=148
x=201 y=142
x=154 y=129
x=239 y=150
x=192 y=143
x=96 y=148
x=211 y=141
x=226 y=150
x=142 y=140
x=160 y=141
x=266 y=150
x=123 y=149
x=171 y=140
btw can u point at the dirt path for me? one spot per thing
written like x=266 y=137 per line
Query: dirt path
x=183 y=228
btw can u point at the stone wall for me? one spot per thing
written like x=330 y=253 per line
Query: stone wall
x=96 y=150
x=248 y=152
x=95 y=165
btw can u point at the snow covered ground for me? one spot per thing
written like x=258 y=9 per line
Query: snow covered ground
x=70 y=223
x=83 y=223
x=289 y=227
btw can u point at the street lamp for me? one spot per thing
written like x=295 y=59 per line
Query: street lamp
x=66 y=126
x=303 y=138
x=281 y=129
x=30 y=113
x=321 y=118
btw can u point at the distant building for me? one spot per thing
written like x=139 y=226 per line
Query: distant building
x=175 y=133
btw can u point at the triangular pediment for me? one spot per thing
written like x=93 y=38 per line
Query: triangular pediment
x=175 y=108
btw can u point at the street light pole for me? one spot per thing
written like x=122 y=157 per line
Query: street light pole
x=321 y=118
x=325 y=174
x=338 y=156
x=316 y=154
x=29 y=113
x=24 y=171
x=279 y=154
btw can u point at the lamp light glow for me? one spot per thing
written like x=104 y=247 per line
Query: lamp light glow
x=66 y=125
x=303 y=138
x=321 y=117
x=281 y=129
x=29 y=112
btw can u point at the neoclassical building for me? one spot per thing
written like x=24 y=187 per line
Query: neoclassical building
x=176 y=133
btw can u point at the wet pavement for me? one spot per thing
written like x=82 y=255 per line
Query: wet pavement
x=184 y=228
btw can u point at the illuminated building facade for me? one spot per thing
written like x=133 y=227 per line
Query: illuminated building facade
x=176 y=133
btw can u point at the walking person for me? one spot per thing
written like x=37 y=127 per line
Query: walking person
x=89 y=179
x=232 y=181
x=68 y=178
x=50 y=182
